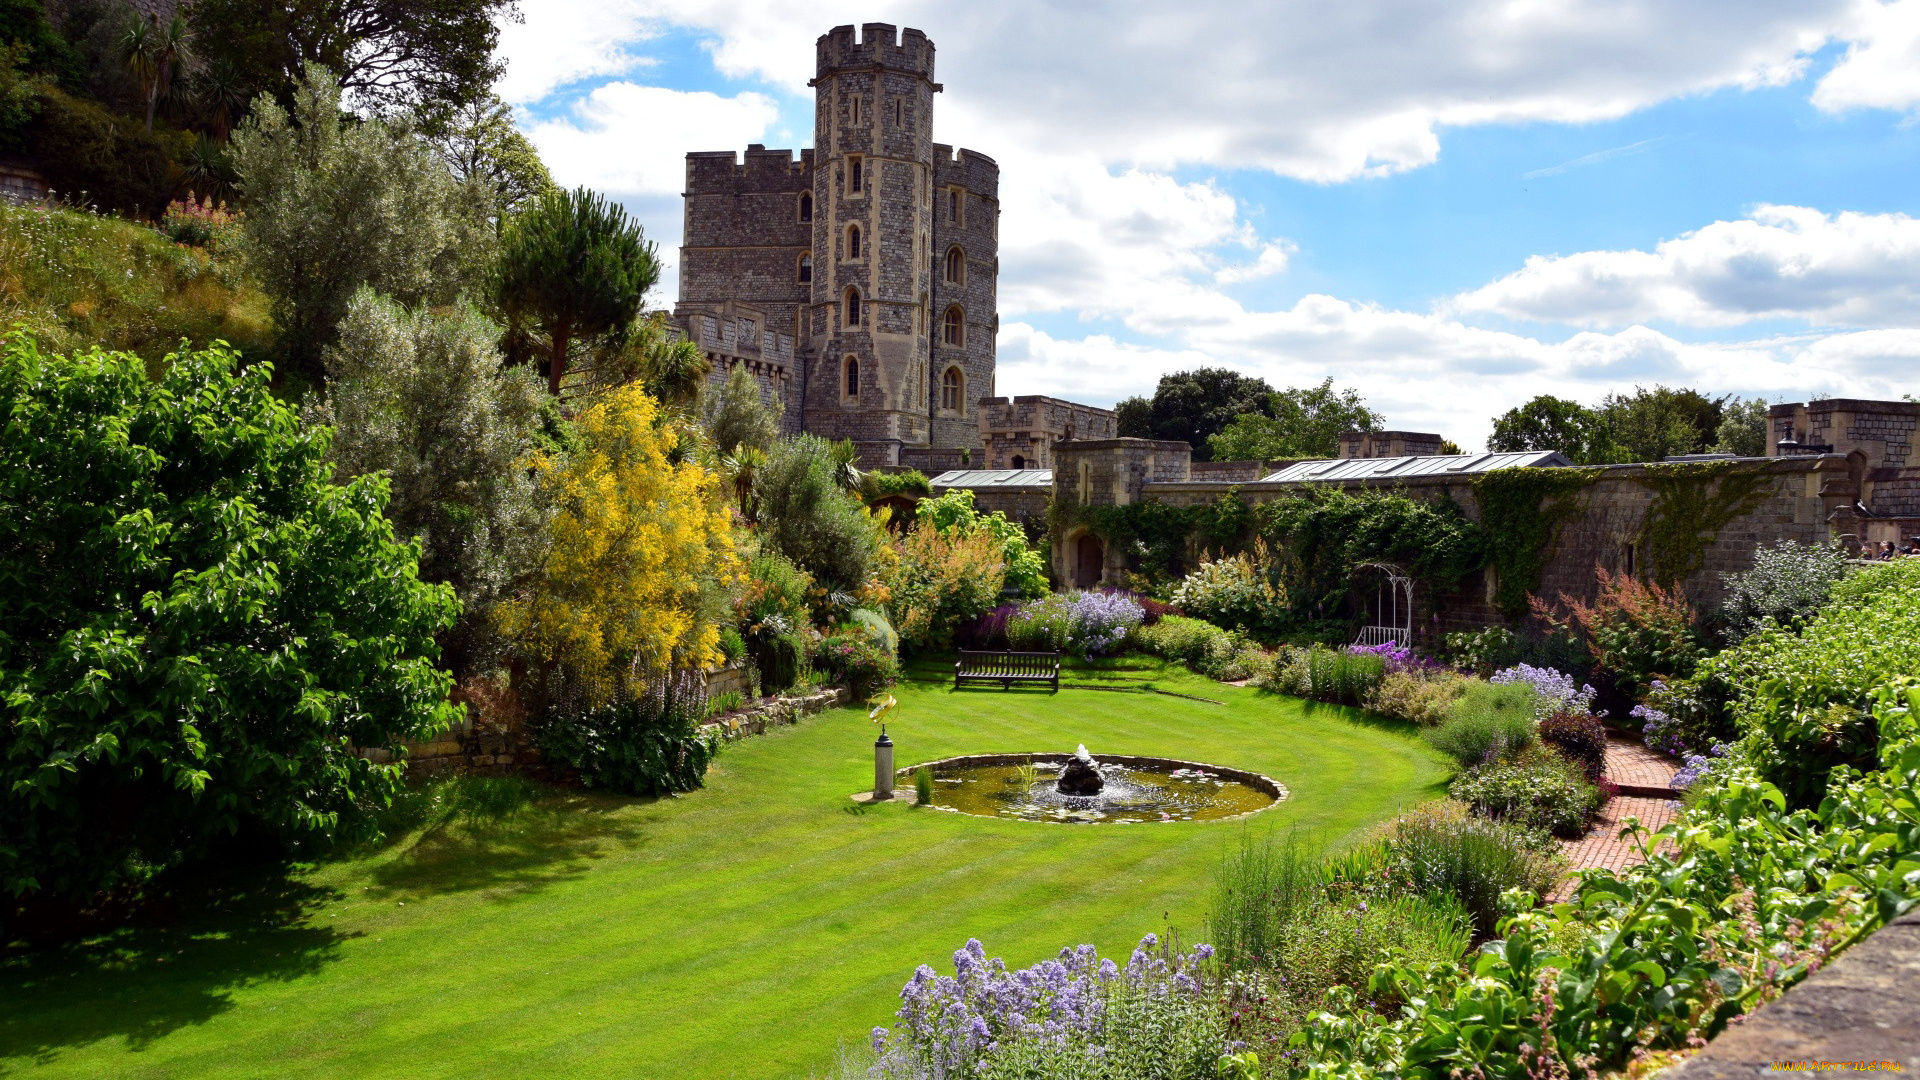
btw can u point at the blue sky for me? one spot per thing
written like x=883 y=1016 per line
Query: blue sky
x=1450 y=210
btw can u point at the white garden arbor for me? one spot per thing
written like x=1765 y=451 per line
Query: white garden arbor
x=1389 y=612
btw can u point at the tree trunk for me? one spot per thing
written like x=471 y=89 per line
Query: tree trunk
x=557 y=364
x=153 y=95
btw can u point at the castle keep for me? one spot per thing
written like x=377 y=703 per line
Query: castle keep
x=857 y=283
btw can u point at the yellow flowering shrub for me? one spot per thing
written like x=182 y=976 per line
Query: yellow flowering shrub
x=642 y=548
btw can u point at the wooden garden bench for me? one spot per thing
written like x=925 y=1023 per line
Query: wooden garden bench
x=1006 y=668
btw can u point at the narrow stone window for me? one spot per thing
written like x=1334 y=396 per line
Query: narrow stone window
x=806 y=206
x=852 y=387
x=856 y=175
x=953 y=206
x=951 y=386
x=953 y=327
x=853 y=241
x=896 y=112
x=853 y=307
x=856 y=109
x=806 y=268
x=956 y=271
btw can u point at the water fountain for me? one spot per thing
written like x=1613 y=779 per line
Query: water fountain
x=1116 y=789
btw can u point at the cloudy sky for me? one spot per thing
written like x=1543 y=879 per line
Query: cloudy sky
x=1451 y=205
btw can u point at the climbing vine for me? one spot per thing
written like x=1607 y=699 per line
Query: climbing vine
x=1522 y=511
x=1326 y=533
x=1692 y=502
x=1155 y=535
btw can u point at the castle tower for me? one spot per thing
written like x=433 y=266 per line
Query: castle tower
x=877 y=250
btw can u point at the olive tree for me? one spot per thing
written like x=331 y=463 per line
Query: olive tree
x=333 y=204
x=423 y=399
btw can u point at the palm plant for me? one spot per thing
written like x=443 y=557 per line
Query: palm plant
x=744 y=463
x=153 y=55
x=845 y=458
x=222 y=94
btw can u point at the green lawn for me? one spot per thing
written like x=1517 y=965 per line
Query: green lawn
x=741 y=931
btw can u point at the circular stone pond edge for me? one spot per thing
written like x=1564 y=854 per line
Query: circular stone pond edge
x=1258 y=781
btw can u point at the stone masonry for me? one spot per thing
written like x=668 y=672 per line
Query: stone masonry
x=1019 y=433
x=1879 y=438
x=859 y=281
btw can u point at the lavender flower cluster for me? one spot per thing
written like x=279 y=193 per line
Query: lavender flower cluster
x=1697 y=766
x=1558 y=693
x=953 y=1026
x=1659 y=731
x=1099 y=621
x=1400 y=659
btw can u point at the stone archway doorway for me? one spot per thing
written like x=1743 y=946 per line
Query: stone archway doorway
x=1089 y=561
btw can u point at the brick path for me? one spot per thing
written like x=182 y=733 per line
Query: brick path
x=1642 y=777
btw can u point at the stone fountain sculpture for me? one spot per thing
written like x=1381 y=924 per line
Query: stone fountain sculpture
x=1081 y=775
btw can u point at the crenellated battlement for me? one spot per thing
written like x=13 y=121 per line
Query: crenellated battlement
x=880 y=45
x=723 y=172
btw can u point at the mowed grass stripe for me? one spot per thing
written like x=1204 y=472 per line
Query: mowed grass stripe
x=740 y=931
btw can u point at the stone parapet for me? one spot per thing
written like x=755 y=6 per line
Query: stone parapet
x=1858 y=1009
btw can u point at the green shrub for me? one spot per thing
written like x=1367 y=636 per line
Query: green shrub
x=1425 y=698
x=648 y=745
x=1344 y=677
x=733 y=647
x=855 y=660
x=1543 y=792
x=1026 y=566
x=876 y=627
x=1235 y=591
x=923 y=786
x=1788 y=583
x=1487 y=723
x=1485 y=650
x=1185 y=640
x=1443 y=850
x=1802 y=702
x=200 y=628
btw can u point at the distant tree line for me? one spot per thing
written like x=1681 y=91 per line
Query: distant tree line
x=1227 y=416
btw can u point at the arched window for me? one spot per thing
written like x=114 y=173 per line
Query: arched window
x=956 y=269
x=806 y=206
x=951 y=386
x=856 y=175
x=806 y=268
x=853 y=241
x=852 y=384
x=1019 y=462
x=953 y=327
x=953 y=205
x=853 y=307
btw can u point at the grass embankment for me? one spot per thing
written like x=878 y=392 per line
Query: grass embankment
x=742 y=931
x=75 y=280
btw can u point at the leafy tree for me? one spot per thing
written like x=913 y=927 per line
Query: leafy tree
x=1651 y=425
x=423 y=399
x=806 y=515
x=1193 y=405
x=574 y=269
x=739 y=416
x=1743 y=428
x=200 y=628
x=1299 y=422
x=1133 y=418
x=642 y=550
x=333 y=206
x=479 y=142
x=388 y=53
x=1026 y=568
x=41 y=48
x=1788 y=584
x=1551 y=423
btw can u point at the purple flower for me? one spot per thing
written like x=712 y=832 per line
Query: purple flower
x=1557 y=691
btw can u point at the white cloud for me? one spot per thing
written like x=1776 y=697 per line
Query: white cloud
x=1788 y=262
x=558 y=44
x=1323 y=90
x=1881 y=67
x=626 y=139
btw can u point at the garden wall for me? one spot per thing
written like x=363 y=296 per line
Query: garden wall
x=1687 y=522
